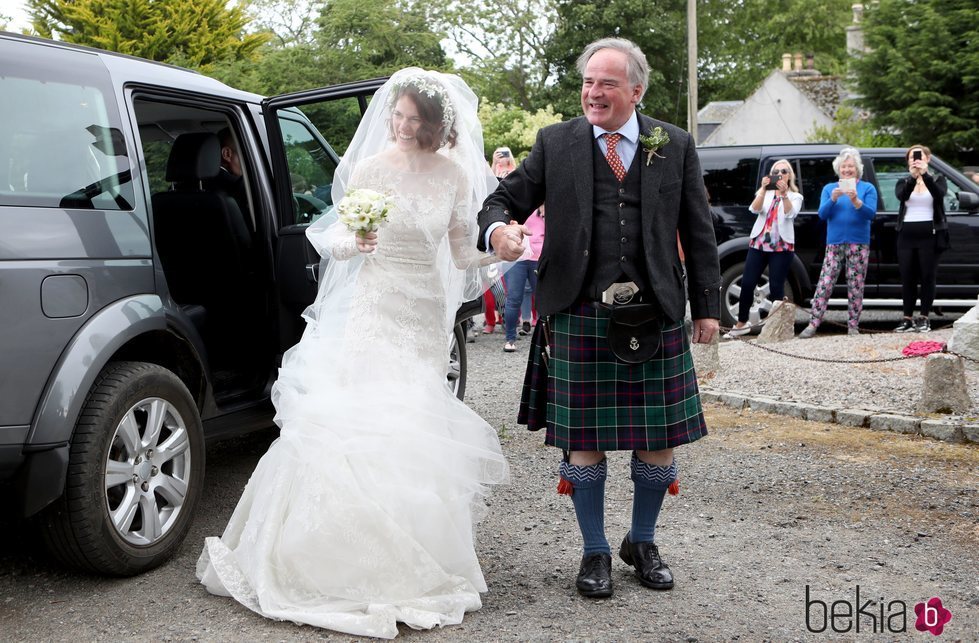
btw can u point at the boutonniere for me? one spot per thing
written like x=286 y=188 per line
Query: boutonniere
x=653 y=141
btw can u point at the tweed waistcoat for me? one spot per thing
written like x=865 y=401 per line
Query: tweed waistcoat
x=617 y=248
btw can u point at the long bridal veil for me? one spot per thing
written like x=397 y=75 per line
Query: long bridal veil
x=361 y=514
x=464 y=278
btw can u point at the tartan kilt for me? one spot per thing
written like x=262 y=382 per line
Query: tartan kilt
x=595 y=402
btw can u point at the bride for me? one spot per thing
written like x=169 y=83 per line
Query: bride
x=361 y=513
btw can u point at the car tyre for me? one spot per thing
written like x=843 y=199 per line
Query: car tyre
x=456 y=376
x=731 y=291
x=135 y=471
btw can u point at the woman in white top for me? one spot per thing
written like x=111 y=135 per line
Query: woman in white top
x=922 y=234
x=772 y=242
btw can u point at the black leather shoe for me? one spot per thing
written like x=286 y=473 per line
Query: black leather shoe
x=595 y=577
x=650 y=568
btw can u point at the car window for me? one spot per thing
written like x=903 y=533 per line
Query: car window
x=890 y=170
x=813 y=175
x=311 y=169
x=61 y=141
x=730 y=181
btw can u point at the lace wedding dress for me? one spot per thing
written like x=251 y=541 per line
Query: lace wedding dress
x=361 y=514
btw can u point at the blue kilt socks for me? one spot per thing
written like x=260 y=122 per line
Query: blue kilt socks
x=651 y=482
x=589 y=503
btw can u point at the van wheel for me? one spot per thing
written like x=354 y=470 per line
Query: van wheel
x=456 y=376
x=731 y=295
x=135 y=470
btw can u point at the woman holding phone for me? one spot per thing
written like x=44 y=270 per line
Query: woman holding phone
x=922 y=234
x=772 y=244
x=847 y=206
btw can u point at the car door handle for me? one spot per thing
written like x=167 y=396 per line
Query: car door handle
x=313 y=272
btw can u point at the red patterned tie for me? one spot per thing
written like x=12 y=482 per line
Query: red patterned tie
x=611 y=140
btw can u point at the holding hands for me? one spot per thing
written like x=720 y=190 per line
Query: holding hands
x=507 y=241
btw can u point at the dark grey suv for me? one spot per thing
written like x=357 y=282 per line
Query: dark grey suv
x=146 y=300
x=733 y=173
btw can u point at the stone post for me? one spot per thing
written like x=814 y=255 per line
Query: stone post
x=945 y=389
x=965 y=336
x=779 y=325
x=706 y=358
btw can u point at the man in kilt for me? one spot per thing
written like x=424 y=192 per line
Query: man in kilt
x=618 y=187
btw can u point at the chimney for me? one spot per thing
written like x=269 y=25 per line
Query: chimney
x=811 y=61
x=786 y=62
x=797 y=62
x=854 y=32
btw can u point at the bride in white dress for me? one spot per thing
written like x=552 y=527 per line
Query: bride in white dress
x=361 y=514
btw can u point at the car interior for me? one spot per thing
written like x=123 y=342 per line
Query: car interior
x=208 y=241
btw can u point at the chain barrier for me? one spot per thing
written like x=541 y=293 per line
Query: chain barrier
x=868 y=331
x=750 y=328
x=878 y=360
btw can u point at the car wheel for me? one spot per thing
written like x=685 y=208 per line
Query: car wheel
x=135 y=471
x=456 y=376
x=731 y=296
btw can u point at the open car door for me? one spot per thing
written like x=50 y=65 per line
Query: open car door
x=308 y=132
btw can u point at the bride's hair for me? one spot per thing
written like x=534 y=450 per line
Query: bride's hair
x=432 y=134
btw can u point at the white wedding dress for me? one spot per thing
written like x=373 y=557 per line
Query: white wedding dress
x=361 y=514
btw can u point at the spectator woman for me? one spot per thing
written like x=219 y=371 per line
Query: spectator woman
x=521 y=273
x=922 y=234
x=847 y=206
x=772 y=243
x=502 y=163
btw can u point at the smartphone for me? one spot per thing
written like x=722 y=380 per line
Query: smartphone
x=504 y=154
x=772 y=180
x=916 y=155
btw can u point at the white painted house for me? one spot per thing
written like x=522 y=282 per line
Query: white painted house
x=786 y=108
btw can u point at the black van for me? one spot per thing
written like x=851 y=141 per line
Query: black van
x=131 y=276
x=732 y=174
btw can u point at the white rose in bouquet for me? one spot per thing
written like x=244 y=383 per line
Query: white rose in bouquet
x=363 y=210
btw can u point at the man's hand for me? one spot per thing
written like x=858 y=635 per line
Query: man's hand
x=507 y=241
x=704 y=330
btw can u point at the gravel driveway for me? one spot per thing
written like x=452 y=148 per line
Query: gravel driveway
x=768 y=507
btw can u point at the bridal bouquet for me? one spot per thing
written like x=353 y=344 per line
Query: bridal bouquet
x=363 y=210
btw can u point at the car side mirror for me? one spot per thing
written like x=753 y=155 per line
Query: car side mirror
x=968 y=201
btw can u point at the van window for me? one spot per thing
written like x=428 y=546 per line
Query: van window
x=730 y=180
x=311 y=169
x=890 y=170
x=61 y=142
x=813 y=174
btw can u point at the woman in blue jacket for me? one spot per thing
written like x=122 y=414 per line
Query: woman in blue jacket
x=847 y=206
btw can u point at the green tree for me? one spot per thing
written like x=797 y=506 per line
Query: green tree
x=292 y=21
x=657 y=26
x=363 y=38
x=921 y=76
x=513 y=127
x=504 y=45
x=353 y=40
x=740 y=43
x=852 y=128
x=194 y=33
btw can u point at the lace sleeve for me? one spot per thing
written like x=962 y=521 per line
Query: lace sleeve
x=463 y=230
x=330 y=237
x=339 y=242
